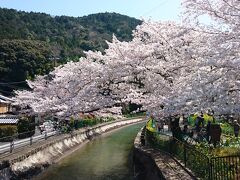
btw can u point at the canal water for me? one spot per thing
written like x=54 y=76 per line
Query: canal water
x=105 y=158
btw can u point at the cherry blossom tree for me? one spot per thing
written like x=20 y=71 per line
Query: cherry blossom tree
x=152 y=68
x=218 y=74
x=68 y=90
x=169 y=68
x=149 y=70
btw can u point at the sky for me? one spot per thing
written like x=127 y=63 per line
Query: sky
x=154 y=9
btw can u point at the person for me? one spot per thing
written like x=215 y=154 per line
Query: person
x=208 y=132
x=215 y=133
x=175 y=128
x=185 y=119
x=40 y=128
x=236 y=128
x=199 y=123
x=160 y=126
x=185 y=129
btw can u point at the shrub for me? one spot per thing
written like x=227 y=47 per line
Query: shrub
x=26 y=127
x=7 y=132
x=227 y=128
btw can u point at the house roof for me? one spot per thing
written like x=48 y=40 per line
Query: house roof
x=8 y=120
x=4 y=99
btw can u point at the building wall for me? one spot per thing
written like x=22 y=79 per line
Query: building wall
x=4 y=108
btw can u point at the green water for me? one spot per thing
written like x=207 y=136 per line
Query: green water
x=104 y=158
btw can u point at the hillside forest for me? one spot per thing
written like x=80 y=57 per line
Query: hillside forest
x=34 y=43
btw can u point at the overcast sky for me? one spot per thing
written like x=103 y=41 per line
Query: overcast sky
x=154 y=9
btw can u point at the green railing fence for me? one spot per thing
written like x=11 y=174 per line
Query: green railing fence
x=202 y=165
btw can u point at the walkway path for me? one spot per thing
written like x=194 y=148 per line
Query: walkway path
x=170 y=169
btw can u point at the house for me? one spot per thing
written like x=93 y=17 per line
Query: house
x=5 y=105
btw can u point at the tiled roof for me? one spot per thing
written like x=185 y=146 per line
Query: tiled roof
x=8 y=120
x=2 y=101
x=4 y=98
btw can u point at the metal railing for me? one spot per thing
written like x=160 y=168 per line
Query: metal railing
x=202 y=165
x=18 y=143
x=225 y=168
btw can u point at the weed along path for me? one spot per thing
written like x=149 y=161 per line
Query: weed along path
x=106 y=157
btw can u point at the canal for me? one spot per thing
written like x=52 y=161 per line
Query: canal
x=108 y=157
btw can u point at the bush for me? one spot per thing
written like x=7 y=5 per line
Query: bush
x=135 y=114
x=227 y=128
x=7 y=132
x=107 y=119
x=87 y=122
x=26 y=127
x=79 y=123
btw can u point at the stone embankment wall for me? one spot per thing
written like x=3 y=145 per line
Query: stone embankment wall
x=155 y=165
x=144 y=165
x=33 y=162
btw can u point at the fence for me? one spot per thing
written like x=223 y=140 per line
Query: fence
x=225 y=168
x=18 y=143
x=203 y=166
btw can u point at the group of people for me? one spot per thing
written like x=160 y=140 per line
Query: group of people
x=213 y=131
x=205 y=131
x=210 y=131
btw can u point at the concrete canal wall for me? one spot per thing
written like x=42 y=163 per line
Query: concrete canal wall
x=29 y=163
x=145 y=166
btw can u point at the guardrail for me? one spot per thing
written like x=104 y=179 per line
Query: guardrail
x=10 y=146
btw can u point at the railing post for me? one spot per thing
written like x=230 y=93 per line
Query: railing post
x=11 y=146
x=31 y=138
x=209 y=168
x=45 y=135
x=185 y=154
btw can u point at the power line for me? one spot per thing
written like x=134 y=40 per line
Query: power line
x=11 y=86
x=155 y=7
x=6 y=92
x=19 y=82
